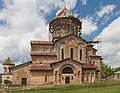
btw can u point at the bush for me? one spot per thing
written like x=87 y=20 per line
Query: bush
x=7 y=82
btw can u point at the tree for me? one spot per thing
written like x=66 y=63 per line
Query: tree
x=117 y=69
x=107 y=70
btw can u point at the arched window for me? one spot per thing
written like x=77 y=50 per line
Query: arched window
x=68 y=27
x=5 y=69
x=71 y=53
x=80 y=54
x=45 y=78
x=93 y=62
x=62 y=54
x=9 y=69
x=67 y=70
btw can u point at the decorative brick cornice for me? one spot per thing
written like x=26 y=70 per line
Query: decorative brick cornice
x=40 y=67
x=41 y=53
x=41 y=42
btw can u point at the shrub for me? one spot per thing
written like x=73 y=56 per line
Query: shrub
x=7 y=82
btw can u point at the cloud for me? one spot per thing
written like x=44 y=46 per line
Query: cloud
x=23 y=25
x=46 y=6
x=88 y=26
x=84 y=2
x=70 y=4
x=105 y=10
x=117 y=13
x=111 y=43
x=90 y=23
x=110 y=33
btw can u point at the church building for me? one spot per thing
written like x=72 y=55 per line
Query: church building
x=66 y=59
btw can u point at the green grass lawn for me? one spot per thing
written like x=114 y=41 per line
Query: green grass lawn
x=110 y=89
x=92 y=88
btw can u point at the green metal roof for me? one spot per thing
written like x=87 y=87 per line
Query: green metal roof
x=8 y=61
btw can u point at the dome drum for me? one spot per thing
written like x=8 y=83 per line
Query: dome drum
x=63 y=26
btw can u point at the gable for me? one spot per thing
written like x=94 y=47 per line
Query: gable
x=67 y=61
x=71 y=39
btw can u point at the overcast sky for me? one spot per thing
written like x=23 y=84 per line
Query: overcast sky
x=24 y=20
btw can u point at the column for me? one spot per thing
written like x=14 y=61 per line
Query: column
x=67 y=52
x=59 y=78
x=93 y=77
x=75 y=78
x=78 y=77
x=55 y=77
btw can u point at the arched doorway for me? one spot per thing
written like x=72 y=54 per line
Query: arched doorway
x=67 y=80
x=67 y=72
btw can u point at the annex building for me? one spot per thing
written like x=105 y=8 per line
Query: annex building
x=66 y=59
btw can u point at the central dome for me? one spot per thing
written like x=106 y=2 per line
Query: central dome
x=64 y=24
